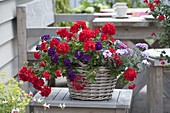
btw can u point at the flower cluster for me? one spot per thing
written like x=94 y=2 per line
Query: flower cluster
x=83 y=47
x=161 y=11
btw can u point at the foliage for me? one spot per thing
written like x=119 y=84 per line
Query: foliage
x=132 y=3
x=83 y=47
x=161 y=12
x=90 y=7
x=12 y=97
x=62 y=6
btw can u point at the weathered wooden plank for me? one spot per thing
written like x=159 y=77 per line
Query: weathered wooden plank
x=131 y=22
x=40 y=13
x=22 y=35
x=166 y=106
x=11 y=68
x=73 y=17
x=53 y=94
x=73 y=110
x=40 y=31
x=124 y=99
x=61 y=94
x=155 y=90
x=7 y=31
x=11 y=47
x=6 y=15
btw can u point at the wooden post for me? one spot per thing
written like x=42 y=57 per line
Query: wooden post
x=155 y=89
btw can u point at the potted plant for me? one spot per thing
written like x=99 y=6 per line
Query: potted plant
x=85 y=57
x=12 y=98
x=160 y=10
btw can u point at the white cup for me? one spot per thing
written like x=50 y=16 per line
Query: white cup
x=121 y=9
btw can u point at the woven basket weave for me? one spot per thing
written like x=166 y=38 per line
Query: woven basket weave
x=100 y=90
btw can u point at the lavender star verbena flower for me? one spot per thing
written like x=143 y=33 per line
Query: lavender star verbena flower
x=145 y=54
x=67 y=62
x=142 y=45
x=78 y=54
x=71 y=74
x=98 y=45
x=120 y=43
x=122 y=51
x=51 y=51
x=54 y=58
x=45 y=37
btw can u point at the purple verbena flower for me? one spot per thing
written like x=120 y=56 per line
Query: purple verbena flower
x=78 y=54
x=71 y=74
x=142 y=45
x=45 y=37
x=98 y=45
x=67 y=62
x=54 y=58
x=51 y=51
x=86 y=57
x=37 y=47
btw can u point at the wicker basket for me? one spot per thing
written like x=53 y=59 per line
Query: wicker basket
x=100 y=90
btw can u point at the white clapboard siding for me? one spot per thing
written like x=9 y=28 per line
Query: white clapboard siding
x=7 y=31
x=39 y=13
x=7 y=10
x=8 y=52
x=11 y=68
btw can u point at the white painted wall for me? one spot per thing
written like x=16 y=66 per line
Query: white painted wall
x=8 y=37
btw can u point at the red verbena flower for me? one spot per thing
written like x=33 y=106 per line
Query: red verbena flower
x=132 y=86
x=62 y=48
x=58 y=73
x=151 y=6
x=145 y=1
x=130 y=74
x=46 y=75
x=79 y=83
x=161 y=17
x=86 y=34
x=104 y=37
x=45 y=91
x=42 y=64
x=109 y=29
x=89 y=45
x=157 y=2
x=36 y=55
x=62 y=32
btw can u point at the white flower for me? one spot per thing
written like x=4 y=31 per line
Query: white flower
x=4 y=102
x=40 y=100
x=62 y=106
x=146 y=63
x=46 y=105
x=107 y=53
x=15 y=110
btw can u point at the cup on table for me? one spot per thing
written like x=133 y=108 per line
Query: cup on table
x=121 y=9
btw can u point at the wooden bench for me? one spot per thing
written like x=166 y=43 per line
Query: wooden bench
x=120 y=103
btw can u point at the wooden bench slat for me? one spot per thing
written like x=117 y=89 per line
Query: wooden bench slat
x=124 y=99
x=61 y=94
x=53 y=94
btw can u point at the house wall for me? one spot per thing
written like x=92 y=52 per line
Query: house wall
x=8 y=37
